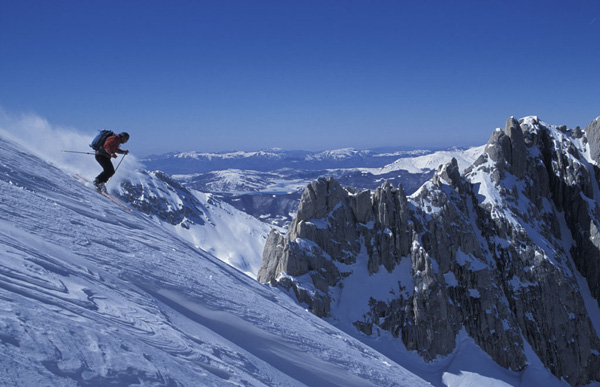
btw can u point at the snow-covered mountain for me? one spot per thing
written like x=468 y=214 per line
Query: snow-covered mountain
x=272 y=193
x=205 y=221
x=93 y=295
x=275 y=159
x=430 y=162
x=505 y=253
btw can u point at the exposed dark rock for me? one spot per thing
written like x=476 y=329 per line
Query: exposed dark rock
x=592 y=132
x=518 y=158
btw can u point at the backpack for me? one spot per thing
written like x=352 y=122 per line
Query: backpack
x=100 y=139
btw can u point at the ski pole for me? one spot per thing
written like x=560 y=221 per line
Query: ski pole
x=83 y=153
x=118 y=165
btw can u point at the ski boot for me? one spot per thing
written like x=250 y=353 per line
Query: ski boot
x=100 y=187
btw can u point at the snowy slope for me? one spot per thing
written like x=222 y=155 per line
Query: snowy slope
x=200 y=218
x=93 y=295
x=423 y=163
x=204 y=220
x=239 y=181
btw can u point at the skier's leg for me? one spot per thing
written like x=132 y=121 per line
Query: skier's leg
x=108 y=169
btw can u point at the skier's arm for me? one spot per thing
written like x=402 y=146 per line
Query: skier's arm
x=112 y=146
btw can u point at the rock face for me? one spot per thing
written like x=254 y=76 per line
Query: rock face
x=593 y=135
x=494 y=251
x=150 y=199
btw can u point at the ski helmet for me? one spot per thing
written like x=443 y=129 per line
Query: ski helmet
x=124 y=135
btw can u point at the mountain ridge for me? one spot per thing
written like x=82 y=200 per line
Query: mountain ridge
x=197 y=162
x=493 y=250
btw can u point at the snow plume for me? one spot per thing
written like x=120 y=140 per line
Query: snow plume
x=48 y=142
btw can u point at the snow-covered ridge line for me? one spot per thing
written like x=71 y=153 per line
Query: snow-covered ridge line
x=421 y=164
x=227 y=155
x=278 y=153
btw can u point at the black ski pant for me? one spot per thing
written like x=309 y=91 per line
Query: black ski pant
x=108 y=169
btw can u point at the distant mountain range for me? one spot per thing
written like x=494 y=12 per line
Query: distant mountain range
x=275 y=159
x=268 y=184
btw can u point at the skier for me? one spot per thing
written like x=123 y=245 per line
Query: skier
x=103 y=155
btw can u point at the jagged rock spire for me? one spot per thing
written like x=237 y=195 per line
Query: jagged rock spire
x=493 y=251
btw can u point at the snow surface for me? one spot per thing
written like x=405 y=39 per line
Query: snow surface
x=276 y=153
x=273 y=153
x=421 y=164
x=238 y=181
x=337 y=154
x=229 y=234
x=94 y=295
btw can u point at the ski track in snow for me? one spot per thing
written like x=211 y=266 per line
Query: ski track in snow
x=93 y=295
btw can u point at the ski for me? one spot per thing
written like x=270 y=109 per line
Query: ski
x=114 y=200
x=86 y=182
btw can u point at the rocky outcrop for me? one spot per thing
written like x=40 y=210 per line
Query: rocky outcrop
x=507 y=150
x=493 y=251
x=518 y=152
x=150 y=199
x=593 y=136
x=574 y=185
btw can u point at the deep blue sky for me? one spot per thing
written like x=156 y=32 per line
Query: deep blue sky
x=227 y=74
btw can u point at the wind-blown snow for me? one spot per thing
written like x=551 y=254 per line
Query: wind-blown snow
x=230 y=235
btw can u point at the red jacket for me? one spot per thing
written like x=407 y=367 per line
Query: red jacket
x=111 y=145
